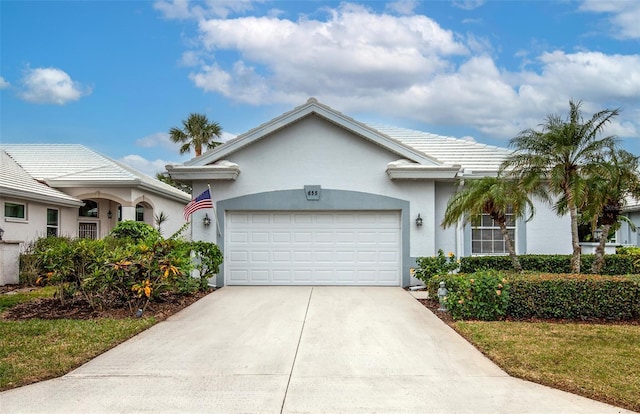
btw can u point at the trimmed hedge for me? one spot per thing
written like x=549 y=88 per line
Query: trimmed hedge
x=568 y=296
x=614 y=264
x=557 y=296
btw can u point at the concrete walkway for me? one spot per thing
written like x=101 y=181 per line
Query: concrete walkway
x=296 y=350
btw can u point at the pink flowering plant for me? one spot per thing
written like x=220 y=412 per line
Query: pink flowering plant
x=481 y=295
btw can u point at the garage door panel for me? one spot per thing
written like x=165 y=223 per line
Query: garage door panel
x=281 y=275
x=306 y=248
x=239 y=237
x=259 y=237
x=281 y=237
x=281 y=256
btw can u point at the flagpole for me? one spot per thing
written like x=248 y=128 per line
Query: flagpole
x=213 y=206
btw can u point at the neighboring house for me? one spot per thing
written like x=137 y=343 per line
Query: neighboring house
x=70 y=190
x=314 y=197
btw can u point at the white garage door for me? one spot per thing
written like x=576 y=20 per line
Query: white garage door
x=313 y=248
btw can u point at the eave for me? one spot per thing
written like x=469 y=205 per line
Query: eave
x=226 y=171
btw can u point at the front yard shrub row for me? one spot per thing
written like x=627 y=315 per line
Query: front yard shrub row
x=482 y=295
x=614 y=264
x=491 y=295
x=570 y=296
x=133 y=266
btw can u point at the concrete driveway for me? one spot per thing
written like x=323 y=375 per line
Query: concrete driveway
x=296 y=350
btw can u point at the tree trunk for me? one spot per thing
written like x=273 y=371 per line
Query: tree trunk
x=575 y=241
x=509 y=243
x=598 y=261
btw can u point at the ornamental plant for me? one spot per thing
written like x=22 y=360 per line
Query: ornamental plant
x=436 y=265
x=122 y=271
x=482 y=295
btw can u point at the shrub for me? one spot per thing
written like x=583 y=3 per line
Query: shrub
x=574 y=296
x=436 y=265
x=122 y=271
x=613 y=265
x=481 y=295
x=135 y=230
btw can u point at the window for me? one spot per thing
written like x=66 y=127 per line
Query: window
x=52 y=222
x=139 y=212
x=15 y=210
x=486 y=238
x=90 y=209
x=88 y=231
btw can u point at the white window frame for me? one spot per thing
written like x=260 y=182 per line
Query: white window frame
x=494 y=229
x=15 y=219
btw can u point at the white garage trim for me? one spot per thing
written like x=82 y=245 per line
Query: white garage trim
x=361 y=248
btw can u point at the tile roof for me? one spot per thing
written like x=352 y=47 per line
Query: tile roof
x=63 y=165
x=470 y=155
x=15 y=181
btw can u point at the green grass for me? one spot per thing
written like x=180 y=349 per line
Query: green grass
x=34 y=350
x=597 y=361
x=11 y=299
x=37 y=349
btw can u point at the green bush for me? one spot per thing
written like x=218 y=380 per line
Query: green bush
x=135 y=230
x=575 y=297
x=121 y=271
x=481 y=295
x=436 y=265
x=614 y=264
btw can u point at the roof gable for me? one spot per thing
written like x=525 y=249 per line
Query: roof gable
x=73 y=165
x=16 y=182
x=312 y=106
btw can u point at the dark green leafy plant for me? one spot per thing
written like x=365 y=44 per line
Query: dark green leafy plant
x=436 y=265
x=569 y=296
x=481 y=295
x=135 y=230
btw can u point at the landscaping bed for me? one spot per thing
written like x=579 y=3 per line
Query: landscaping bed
x=50 y=308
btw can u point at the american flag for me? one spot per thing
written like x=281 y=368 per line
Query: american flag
x=202 y=201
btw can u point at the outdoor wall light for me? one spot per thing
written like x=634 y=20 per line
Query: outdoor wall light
x=419 y=221
x=206 y=220
x=109 y=215
x=597 y=234
x=1 y=233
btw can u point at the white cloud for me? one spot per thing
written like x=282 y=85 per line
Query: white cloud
x=162 y=140
x=360 y=61
x=405 y=7
x=354 y=49
x=144 y=165
x=51 y=86
x=3 y=83
x=159 y=139
x=624 y=15
x=468 y=4
x=186 y=9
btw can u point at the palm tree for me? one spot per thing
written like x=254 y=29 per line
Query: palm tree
x=494 y=196
x=197 y=132
x=557 y=156
x=608 y=186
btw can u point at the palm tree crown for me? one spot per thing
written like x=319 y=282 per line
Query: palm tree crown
x=197 y=132
x=558 y=156
x=494 y=196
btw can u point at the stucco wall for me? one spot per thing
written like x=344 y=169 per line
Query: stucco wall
x=110 y=198
x=35 y=224
x=548 y=233
x=315 y=152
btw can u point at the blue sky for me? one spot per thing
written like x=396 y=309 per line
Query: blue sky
x=117 y=75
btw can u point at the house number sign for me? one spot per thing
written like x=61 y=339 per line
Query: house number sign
x=312 y=192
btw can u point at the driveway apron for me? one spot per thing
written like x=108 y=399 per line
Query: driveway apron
x=296 y=350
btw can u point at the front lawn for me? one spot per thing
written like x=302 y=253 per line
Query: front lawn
x=38 y=349
x=599 y=361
